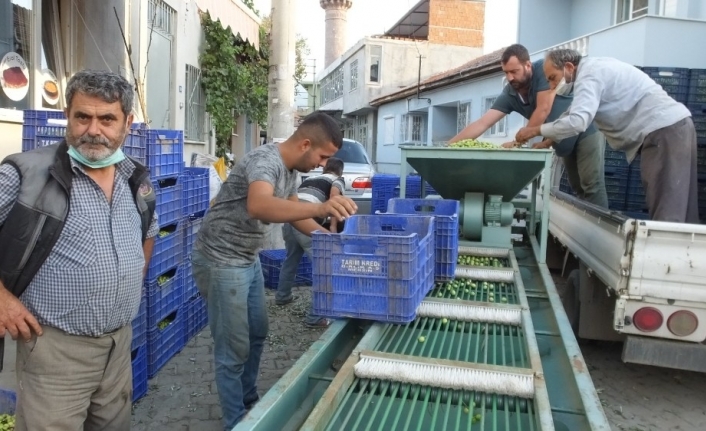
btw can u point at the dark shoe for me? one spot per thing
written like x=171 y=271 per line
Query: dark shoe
x=286 y=301
x=250 y=404
x=321 y=323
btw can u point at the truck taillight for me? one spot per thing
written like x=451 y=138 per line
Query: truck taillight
x=647 y=319
x=362 y=183
x=682 y=323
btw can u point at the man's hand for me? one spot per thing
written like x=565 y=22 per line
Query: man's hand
x=547 y=143
x=338 y=207
x=15 y=318
x=527 y=133
x=511 y=144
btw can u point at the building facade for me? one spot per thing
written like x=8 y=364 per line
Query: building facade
x=56 y=38
x=633 y=31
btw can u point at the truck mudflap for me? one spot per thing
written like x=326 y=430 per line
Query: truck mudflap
x=665 y=353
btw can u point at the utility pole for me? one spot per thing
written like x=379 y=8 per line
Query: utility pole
x=280 y=103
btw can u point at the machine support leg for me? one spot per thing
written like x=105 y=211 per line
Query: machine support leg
x=547 y=176
x=404 y=169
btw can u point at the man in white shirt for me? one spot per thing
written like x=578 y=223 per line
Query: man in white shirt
x=636 y=116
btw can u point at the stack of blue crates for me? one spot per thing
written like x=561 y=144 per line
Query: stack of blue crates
x=170 y=309
x=697 y=106
x=387 y=186
x=195 y=202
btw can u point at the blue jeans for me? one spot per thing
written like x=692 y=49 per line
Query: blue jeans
x=296 y=244
x=237 y=315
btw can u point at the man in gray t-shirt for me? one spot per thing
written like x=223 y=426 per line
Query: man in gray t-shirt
x=261 y=189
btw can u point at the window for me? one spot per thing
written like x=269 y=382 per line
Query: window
x=498 y=129
x=354 y=75
x=195 y=111
x=362 y=129
x=412 y=128
x=464 y=116
x=351 y=152
x=332 y=86
x=630 y=9
x=19 y=40
x=389 y=131
x=375 y=62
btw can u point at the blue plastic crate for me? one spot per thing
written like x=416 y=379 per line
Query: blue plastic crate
x=384 y=188
x=637 y=215
x=163 y=298
x=674 y=80
x=445 y=212
x=135 y=144
x=189 y=284
x=370 y=307
x=196 y=316
x=168 y=250
x=8 y=402
x=191 y=230
x=413 y=189
x=195 y=190
x=163 y=344
x=41 y=128
x=139 y=371
x=169 y=204
x=271 y=262
x=165 y=153
x=378 y=268
x=139 y=326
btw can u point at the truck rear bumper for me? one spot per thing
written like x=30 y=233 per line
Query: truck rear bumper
x=665 y=353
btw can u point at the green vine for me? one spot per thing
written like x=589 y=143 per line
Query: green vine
x=234 y=78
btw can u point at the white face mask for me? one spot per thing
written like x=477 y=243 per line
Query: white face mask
x=563 y=88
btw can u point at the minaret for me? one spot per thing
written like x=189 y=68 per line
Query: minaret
x=336 y=11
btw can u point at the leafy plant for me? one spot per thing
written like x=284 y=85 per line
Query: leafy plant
x=234 y=78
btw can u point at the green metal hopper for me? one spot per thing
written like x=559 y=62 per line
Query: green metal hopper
x=477 y=177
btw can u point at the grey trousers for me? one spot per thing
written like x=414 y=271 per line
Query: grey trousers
x=669 y=176
x=73 y=383
x=584 y=169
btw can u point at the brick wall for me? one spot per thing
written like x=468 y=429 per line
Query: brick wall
x=457 y=22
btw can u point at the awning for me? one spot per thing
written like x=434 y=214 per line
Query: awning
x=235 y=15
x=414 y=24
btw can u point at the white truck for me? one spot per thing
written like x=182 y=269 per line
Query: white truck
x=639 y=281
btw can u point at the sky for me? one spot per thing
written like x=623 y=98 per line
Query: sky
x=365 y=18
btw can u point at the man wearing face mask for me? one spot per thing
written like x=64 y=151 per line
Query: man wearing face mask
x=529 y=94
x=77 y=226
x=637 y=116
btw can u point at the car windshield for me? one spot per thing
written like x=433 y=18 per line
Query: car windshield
x=351 y=152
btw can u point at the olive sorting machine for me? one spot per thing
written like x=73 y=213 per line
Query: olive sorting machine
x=322 y=391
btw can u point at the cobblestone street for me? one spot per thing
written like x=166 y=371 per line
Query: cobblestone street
x=183 y=395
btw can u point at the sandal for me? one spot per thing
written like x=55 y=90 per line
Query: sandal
x=321 y=323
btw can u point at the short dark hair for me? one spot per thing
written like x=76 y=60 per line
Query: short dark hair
x=515 y=50
x=334 y=165
x=320 y=128
x=103 y=84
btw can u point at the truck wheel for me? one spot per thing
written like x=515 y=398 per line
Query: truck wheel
x=570 y=299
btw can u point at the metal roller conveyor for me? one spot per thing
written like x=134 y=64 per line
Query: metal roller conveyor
x=484 y=351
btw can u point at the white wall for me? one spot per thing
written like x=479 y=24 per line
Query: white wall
x=642 y=42
x=501 y=24
x=399 y=68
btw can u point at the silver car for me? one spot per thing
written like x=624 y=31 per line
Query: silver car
x=358 y=173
